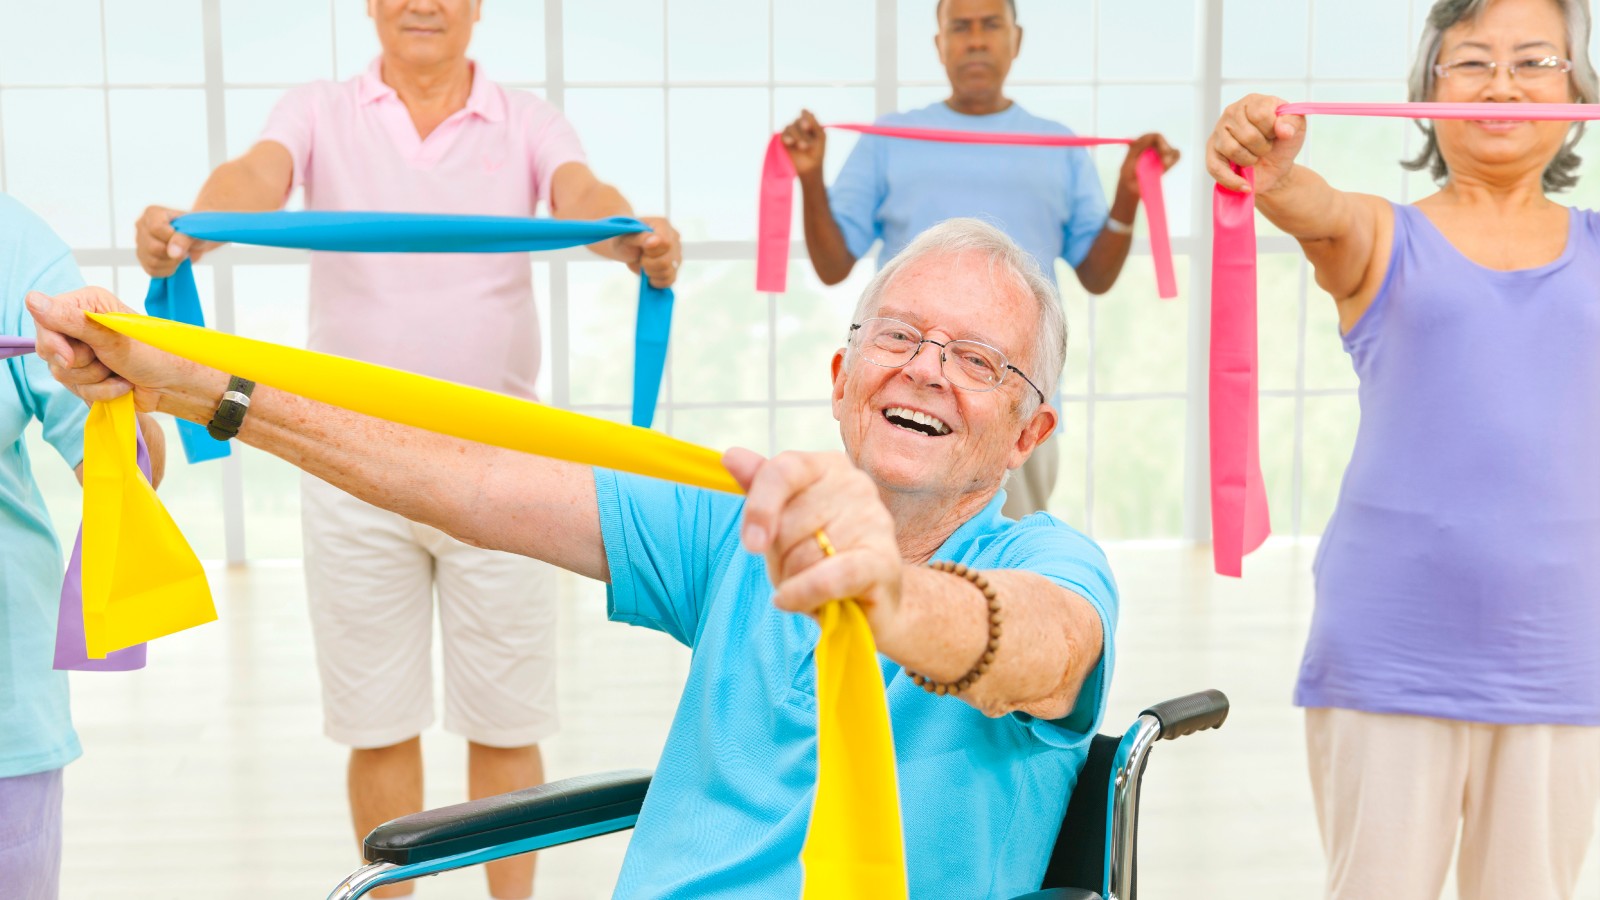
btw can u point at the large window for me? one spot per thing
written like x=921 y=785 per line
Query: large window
x=1126 y=387
x=106 y=107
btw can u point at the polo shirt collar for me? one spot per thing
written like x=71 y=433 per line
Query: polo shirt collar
x=484 y=101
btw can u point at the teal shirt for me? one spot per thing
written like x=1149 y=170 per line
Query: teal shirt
x=35 y=726
x=981 y=799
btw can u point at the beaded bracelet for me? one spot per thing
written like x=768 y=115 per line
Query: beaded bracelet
x=966 y=681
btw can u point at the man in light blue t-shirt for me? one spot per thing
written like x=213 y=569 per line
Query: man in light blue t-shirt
x=986 y=765
x=1048 y=199
x=36 y=735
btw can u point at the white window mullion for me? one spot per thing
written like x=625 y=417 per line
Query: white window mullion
x=1197 y=459
x=772 y=299
x=887 y=96
x=560 y=337
x=235 y=536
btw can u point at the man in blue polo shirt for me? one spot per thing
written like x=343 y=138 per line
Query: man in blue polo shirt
x=36 y=735
x=936 y=393
x=1048 y=199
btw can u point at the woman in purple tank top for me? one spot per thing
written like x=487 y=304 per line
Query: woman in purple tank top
x=1452 y=677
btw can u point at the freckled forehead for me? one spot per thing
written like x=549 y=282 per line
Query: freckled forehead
x=958 y=295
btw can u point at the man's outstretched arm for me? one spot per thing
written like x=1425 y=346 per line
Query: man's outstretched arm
x=485 y=496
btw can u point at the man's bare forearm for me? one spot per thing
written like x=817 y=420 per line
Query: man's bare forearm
x=486 y=496
x=1109 y=252
x=601 y=202
x=825 y=242
x=1051 y=639
x=247 y=184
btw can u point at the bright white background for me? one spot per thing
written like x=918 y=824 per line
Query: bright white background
x=109 y=105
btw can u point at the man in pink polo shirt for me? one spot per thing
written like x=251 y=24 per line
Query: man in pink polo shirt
x=423 y=130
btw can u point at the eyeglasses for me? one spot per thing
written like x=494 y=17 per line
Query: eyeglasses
x=1479 y=72
x=892 y=344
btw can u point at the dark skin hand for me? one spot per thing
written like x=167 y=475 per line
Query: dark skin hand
x=978 y=41
x=806 y=142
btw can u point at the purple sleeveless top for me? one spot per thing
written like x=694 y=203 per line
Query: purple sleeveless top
x=1459 y=576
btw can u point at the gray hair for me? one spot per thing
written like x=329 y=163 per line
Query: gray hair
x=1009 y=265
x=1562 y=171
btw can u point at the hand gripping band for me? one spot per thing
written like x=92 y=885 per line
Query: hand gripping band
x=1239 y=516
x=176 y=298
x=777 y=195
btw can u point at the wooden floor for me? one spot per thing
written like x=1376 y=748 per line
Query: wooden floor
x=207 y=775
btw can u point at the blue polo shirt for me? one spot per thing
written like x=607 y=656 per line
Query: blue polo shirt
x=35 y=727
x=981 y=799
x=1048 y=199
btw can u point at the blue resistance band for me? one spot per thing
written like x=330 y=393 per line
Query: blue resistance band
x=175 y=297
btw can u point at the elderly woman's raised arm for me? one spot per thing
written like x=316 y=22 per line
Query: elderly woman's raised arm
x=483 y=495
x=1345 y=235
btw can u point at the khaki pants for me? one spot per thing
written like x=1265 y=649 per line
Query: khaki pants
x=1393 y=791
x=1029 y=488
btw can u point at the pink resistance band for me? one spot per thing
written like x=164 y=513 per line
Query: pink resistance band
x=777 y=195
x=1239 y=520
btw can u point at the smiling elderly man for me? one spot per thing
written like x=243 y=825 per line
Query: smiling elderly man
x=936 y=400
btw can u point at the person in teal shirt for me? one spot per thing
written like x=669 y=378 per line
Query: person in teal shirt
x=936 y=394
x=1048 y=199
x=36 y=735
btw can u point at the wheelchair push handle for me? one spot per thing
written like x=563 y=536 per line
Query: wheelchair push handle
x=1191 y=713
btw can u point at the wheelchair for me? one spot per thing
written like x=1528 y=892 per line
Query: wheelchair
x=1093 y=858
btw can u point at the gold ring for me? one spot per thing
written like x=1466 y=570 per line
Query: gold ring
x=824 y=543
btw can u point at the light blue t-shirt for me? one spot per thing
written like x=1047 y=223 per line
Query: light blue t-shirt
x=1048 y=199
x=981 y=799
x=35 y=727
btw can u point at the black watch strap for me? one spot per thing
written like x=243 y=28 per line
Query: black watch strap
x=230 y=413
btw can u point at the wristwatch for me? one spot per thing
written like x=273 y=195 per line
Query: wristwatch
x=230 y=412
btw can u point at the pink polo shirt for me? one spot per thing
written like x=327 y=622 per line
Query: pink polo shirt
x=466 y=317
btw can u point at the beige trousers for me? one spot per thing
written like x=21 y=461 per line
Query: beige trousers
x=1392 y=793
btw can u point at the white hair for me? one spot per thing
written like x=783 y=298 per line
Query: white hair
x=1562 y=171
x=1010 y=267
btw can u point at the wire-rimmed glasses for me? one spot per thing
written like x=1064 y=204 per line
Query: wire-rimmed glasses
x=892 y=344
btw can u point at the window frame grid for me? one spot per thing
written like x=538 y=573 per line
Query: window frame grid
x=1210 y=93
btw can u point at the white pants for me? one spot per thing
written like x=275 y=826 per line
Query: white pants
x=370 y=579
x=1392 y=792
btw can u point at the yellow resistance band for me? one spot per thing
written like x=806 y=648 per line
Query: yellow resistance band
x=140 y=579
x=853 y=847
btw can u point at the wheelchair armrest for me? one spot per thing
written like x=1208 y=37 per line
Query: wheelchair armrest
x=1060 y=894
x=586 y=805
x=1188 y=714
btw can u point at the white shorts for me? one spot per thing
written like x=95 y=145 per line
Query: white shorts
x=370 y=580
